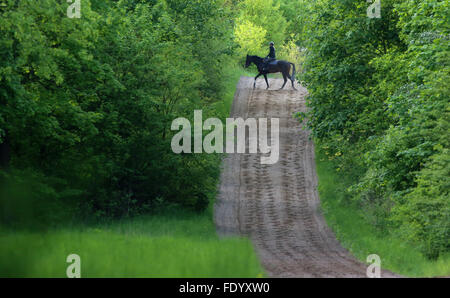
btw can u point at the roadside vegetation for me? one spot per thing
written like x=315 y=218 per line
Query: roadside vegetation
x=172 y=243
x=85 y=159
x=379 y=108
x=356 y=233
x=166 y=241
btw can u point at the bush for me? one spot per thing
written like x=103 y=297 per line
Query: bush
x=87 y=103
x=379 y=102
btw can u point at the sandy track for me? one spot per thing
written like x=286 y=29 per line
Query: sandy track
x=277 y=205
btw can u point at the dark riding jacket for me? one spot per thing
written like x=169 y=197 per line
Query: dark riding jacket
x=271 y=53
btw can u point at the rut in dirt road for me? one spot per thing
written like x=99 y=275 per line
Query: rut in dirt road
x=277 y=205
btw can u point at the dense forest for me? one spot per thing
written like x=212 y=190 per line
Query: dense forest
x=379 y=98
x=86 y=104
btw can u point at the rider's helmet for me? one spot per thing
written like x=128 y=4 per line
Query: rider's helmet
x=271 y=43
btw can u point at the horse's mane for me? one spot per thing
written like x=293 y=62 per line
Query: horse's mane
x=257 y=57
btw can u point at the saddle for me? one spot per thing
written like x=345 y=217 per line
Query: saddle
x=270 y=61
x=267 y=63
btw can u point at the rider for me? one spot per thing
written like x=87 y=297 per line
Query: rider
x=270 y=57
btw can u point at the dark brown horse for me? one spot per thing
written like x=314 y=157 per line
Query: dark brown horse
x=276 y=66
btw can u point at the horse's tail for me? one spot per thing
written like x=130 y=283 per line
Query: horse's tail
x=293 y=72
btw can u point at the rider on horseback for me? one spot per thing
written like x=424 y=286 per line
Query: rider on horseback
x=270 y=57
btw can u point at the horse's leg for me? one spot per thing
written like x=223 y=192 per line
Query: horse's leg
x=267 y=82
x=254 y=83
x=292 y=78
x=285 y=80
x=293 y=81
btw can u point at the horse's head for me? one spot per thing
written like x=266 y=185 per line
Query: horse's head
x=248 y=61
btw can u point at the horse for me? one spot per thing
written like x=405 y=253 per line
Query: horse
x=273 y=67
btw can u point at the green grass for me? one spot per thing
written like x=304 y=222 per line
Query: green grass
x=231 y=77
x=362 y=239
x=171 y=243
x=166 y=245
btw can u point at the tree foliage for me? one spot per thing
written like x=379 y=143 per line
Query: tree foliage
x=379 y=102
x=87 y=103
x=259 y=22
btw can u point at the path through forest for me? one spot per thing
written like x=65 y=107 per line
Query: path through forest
x=277 y=205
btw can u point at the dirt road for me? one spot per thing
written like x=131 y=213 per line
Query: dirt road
x=277 y=205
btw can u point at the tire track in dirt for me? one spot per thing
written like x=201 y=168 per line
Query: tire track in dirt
x=277 y=205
